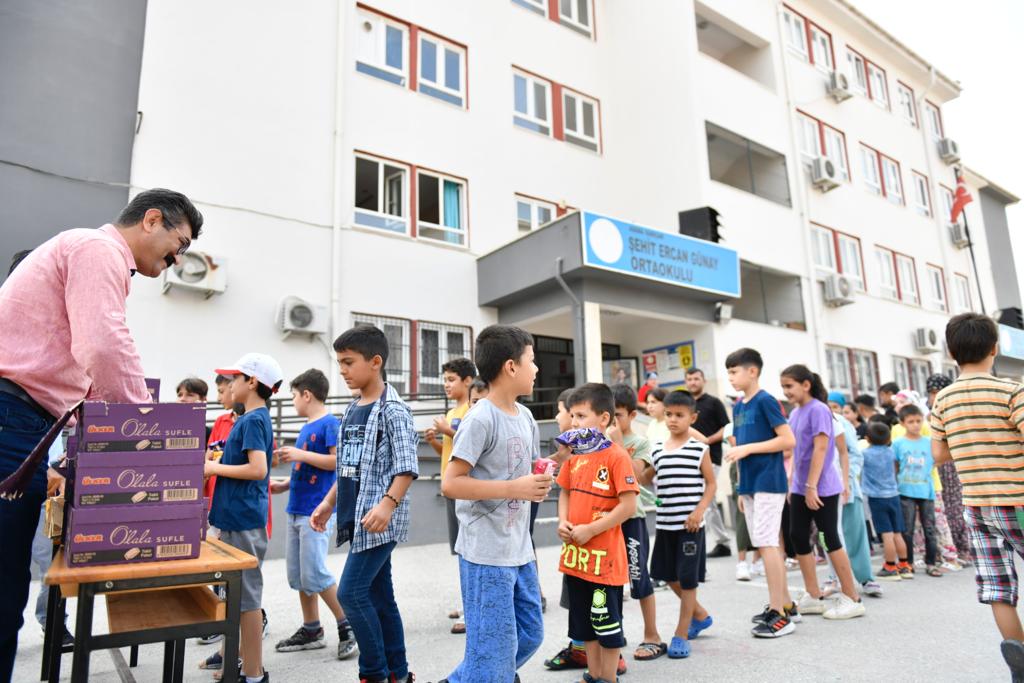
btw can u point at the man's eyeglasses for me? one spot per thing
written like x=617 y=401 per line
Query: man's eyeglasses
x=184 y=247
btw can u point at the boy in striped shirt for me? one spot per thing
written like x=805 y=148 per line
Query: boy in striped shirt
x=685 y=482
x=977 y=422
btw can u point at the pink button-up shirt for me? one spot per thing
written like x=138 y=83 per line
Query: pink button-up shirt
x=63 y=334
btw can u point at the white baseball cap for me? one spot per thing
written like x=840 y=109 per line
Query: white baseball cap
x=258 y=365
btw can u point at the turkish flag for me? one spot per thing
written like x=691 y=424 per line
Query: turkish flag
x=961 y=199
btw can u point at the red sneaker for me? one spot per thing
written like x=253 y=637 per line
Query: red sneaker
x=570 y=658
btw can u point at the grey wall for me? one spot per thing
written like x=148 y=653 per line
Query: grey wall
x=69 y=82
x=1000 y=249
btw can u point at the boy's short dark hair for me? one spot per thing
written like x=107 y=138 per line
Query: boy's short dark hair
x=866 y=400
x=889 y=388
x=479 y=386
x=463 y=367
x=744 y=358
x=909 y=410
x=366 y=340
x=971 y=337
x=598 y=396
x=658 y=394
x=625 y=397
x=563 y=397
x=880 y=417
x=680 y=399
x=221 y=379
x=497 y=344
x=194 y=385
x=262 y=390
x=313 y=381
x=879 y=433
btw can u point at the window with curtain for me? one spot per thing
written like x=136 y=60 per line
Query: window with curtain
x=441 y=208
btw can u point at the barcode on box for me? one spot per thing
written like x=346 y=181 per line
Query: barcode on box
x=178 y=495
x=175 y=550
x=186 y=443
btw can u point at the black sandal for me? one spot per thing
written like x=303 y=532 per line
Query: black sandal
x=654 y=651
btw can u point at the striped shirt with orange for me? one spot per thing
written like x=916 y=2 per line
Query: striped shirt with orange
x=979 y=417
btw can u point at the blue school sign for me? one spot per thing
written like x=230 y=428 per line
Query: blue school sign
x=651 y=254
x=1011 y=342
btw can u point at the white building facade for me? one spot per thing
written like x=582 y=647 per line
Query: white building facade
x=362 y=158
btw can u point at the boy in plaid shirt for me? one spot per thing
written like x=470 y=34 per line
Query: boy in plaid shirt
x=977 y=422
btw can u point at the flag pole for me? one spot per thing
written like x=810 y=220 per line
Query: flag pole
x=970 y=248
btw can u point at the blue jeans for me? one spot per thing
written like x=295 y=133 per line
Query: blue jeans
x=366 y=594
x=21 y=428
x=504 y=625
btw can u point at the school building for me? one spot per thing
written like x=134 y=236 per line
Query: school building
x=643 y=186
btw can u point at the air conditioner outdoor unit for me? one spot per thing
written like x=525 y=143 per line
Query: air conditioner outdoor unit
x=839 y=86
x=926 y=340
x=298 y=316
x=838 y=290
x=199 y=272
x=949 y=151
x=958 y=235
x=824 y=174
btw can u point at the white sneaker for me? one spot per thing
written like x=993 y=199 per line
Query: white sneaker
x=742 y=571
x=757 y=568
x=830 y=588
x=871 y=588
x=845 y=608
x=809 y=605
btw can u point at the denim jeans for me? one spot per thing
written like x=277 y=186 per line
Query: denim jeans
x=912 y=507
x=366 y=594
x=42 y=553
x=21 y=428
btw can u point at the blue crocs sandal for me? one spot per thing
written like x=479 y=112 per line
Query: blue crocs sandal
x=679 y=648
x=697 y=626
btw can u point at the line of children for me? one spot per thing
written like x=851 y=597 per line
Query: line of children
x=880 y=486
x=914 y=465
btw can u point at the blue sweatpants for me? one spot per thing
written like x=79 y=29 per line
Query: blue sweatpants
x=504 y=626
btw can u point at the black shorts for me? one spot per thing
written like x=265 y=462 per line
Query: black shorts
x=595 y=612
x=638 y=553
x=826 y=518
x=453 y=523
x=679 y=556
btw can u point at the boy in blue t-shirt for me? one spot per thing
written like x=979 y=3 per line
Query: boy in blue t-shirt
x=241 y=496
x=313 y=474
x=762 y=434
x=914 y=465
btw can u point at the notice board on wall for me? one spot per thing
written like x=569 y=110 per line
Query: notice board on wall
x=670 y=362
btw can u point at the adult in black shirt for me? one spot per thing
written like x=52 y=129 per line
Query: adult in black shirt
x=711 y=422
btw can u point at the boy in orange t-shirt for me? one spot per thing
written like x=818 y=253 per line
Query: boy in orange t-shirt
x=598 y=494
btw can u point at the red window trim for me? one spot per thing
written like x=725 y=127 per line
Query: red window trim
x=821 y=137
x=942 y=279
x=856 y=387
x=600 y=128
x=838 y=254
x=555 y=16
x=881 y=173
x=867 y=76
x=970 y=299
x=559 y=210
x=938 y=110
x=808 y=42
x=896 y=270
x=928 y=191
x=913 y=100
x=557 y=109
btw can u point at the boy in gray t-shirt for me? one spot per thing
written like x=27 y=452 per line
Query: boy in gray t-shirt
x=489 y=477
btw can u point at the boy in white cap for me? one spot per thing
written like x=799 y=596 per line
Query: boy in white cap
x=241 y=496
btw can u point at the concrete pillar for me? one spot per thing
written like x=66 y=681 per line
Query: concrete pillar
x=592 y=337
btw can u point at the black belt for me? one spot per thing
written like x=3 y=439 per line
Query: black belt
x=13 y=389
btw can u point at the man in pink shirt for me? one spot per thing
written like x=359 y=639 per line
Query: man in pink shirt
x=64 y=337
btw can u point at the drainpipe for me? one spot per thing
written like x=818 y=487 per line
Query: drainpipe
x=941 y=220
x=337 y=204
x=579 y=360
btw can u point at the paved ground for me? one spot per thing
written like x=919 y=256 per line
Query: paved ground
x=927 y=629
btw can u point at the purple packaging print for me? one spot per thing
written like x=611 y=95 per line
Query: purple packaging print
x=119 y=534
x=144 y=484
x=153 y=387
x=140 y=428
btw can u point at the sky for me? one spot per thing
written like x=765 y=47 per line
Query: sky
x=981 y=44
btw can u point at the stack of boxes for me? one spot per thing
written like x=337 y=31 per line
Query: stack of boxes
x=135 y=485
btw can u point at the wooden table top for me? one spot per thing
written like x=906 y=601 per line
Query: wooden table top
x=214 y=556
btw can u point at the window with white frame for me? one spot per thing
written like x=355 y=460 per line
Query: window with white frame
x=824 y=248
x=381 y=197
x=905 y=103
x=812 y=132
x=907 y=274
x=849 y=259
x=442 y=68
x=821 y=48
x=858 y=72
x=796 y=32
x=532 y=103
x=936 y=288
x=893 y=186
x=838 y=252
x=441 y=208
x=837 y=360
x=539 y=6
x=947 y=205
x=922 y=194
x=886 y=262
x=533 y=213
x=399 y=334
x=865 y=367
x=950 y=371
x=576 y=14
x=933 y=120
x=580 y=119
x=961 y=293
x=901 y=370
x=810 y=141
x=381 y=48
x=879 y=86
x=438 y=343
x=869 y=166
x=835 y=149
x=920 y=370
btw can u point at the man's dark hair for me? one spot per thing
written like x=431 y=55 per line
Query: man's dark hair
x=744 y=358
x=866 y=400
x=680 y=398
x=222 y=379
x=694 y=371
x=908 y=410
x=879 y=433
x=17 y=259
x=598 y=396
x=971 y=337
x=563 y=397
x=479 y=385
x=314 y=381
x=366 y=340
x=625 y=397
x=497 y=344
x=658 y=394
x=463 y=367
x=890 y=388
x=175 y=207
x=194 y=385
